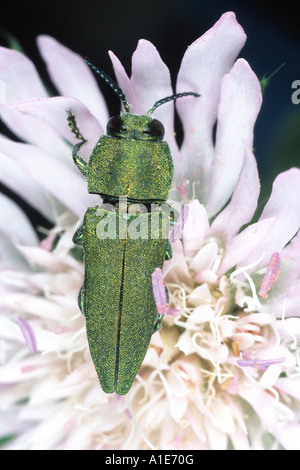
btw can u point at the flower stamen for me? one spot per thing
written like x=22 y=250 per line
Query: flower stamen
x=159 y=292
x=270 y=276
x=260 y=363
x=243 y=270
x=28 y=334
x=181 y=221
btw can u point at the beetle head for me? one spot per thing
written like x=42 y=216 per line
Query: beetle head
x=131 y=126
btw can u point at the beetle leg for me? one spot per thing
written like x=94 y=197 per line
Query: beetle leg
x=81 y=299
x=167 y=295
x=78 y=239
x=157 y=323
x=79 y=162
x=169 y=252
x=78 y=236
x=158 y=318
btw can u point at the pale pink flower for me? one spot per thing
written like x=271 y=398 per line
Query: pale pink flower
x=223 y=371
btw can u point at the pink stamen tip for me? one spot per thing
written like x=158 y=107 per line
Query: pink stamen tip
x=47 y=243
x=271 y=275
x=182 y=188
x=28 y=334
x=159 y=292
x=28 y=369
x=174 y=312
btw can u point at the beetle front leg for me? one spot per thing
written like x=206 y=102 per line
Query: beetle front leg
x=79 y=162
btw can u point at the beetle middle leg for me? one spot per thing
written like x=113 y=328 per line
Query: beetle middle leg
x=157 y=323
x=158 y=317
x=78 y=236
x=169 y=251
x=81 y=299
x=78 y=240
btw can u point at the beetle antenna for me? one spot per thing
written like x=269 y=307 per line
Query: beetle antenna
x=170 y=98
x=110 y=82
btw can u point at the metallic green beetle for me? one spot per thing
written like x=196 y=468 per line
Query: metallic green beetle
x=123 y=249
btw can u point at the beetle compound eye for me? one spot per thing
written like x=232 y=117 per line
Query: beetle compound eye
x=155 y=129
x=115 y=125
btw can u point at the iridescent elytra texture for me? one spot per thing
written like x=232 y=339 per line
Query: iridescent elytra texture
x=119 y=304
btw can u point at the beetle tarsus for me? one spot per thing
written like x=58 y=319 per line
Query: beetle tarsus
x=81 y=299
x=169 y=251
x=78 y=236
x=157 y=323
x=79 y=162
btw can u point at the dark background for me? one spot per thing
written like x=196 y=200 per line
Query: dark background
x=93 y=27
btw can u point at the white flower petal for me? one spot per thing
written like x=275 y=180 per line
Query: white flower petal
x=32 y=130
x=203 y=66
x=217 y=438
x=124 y=83
x=289 y=385
x=200 y=295
x=262 y=402
x=185 y=343
x=284 y=204
x=270 y=376
x=222 y=417
x=207 y=275
x=245 y=196
x=239 y=248
x=10 y=258
x=239 y=106
x=20 y=76
x=72 y=76
x=21 y=83
x=15 y=224
x=50 y=260
x=195 y=228
x=53 y=112
x=46 y=170
x=289 y=436
x=201 y=314
x=205 y=257
x=15 y=177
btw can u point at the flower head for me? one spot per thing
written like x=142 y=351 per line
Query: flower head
x=223 y=370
